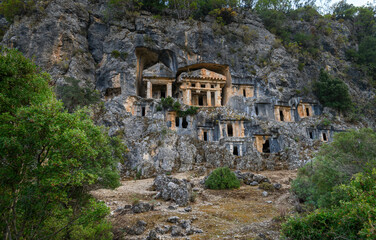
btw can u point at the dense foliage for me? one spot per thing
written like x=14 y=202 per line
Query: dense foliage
x=50 y=159
x=332 y=92
x=222 y=178
x=73 y=95
x=350 y=152
x=341 y=184
x=353 y=218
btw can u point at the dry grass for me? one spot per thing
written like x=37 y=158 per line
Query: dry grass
x=222 y=214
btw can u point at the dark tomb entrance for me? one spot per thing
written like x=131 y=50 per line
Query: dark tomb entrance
x=184 y=123
x=235 y=151
x=266 y=147
x=201 y=100
x=281 y=117
x=229 y=130
x=324 y=137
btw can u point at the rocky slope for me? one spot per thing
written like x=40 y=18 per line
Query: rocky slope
x=77 y=39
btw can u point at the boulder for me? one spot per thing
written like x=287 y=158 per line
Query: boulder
x=142 y=207
x=138 y=229
x=169 y=188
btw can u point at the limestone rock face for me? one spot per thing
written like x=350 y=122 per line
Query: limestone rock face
x=77 y=39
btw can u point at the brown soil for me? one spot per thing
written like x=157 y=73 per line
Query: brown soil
x=222 y=214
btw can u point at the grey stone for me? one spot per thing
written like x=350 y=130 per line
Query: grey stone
x=142 y=207
x=153 y=236
x=254 y=183
x=260 y=178
x=173 y=189
x=277 y=186
x=172 y=207
x=138 y=229
x=177 y=231
x=185 y=224
x=162 y=229
x=173 y=219
x=265 y=194
x=188 y=209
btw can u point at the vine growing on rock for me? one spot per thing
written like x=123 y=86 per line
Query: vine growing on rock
x=170 y=104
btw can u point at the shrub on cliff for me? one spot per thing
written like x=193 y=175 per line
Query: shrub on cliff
x=74 y=96
x=11 y=8
x=332 y=92
x=222 y=178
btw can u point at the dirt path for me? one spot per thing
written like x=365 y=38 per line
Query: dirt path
x=222 y=214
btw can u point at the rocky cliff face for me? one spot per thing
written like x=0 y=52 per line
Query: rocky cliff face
x=76 y=39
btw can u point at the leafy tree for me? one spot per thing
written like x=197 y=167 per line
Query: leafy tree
x=222 y=178
x=50 y=159
x=353 y=218
x=277 y=5
x=183 y=8
x=350 y=153
x=22 y=83
x=343 y=10
x=332 y=92
x=73 y=95
x=365 y=22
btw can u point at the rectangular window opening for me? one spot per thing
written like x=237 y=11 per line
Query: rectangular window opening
x=229 y=130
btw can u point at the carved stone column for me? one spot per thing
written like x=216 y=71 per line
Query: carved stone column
x=149 y=91
x=169 y=89
x=217 y=97
x=208 y=98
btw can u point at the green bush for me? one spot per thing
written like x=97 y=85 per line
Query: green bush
x=170 y=103
x=353 y=218
x=350 y=153
x=224 y=15
x=73 y=95
x=222 y=178
x=117 y=54
x=266 y=186
x=332 y=92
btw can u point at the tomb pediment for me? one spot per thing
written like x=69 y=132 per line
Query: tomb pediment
x=203 y=73
x=158 y=70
